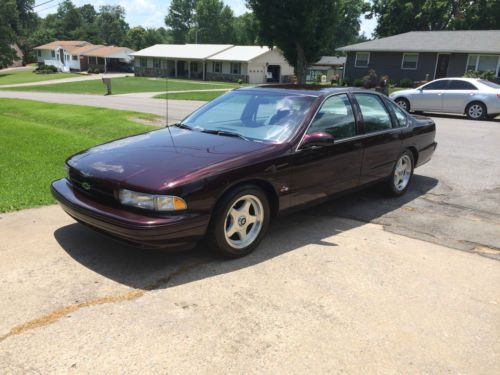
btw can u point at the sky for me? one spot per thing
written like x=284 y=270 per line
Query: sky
x=151 y=13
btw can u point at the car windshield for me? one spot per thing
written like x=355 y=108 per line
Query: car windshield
x=489 y=83
x=252 y=115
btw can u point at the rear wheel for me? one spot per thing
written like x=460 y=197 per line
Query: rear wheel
x=401 y=174
x=403 y=103
x=240 y=221
x=476 y=111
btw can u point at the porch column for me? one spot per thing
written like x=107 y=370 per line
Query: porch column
x=203 y=72
x=175 y=67
x=105 y=65
x=189 y=69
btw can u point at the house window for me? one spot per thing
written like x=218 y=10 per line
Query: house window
x=156 y=63
x=217 y=67
x=194 y=67
x=39 y=53
x=410 y=61
x=74 y=57
x=362 y=59
x=484 y=63
x=235 y=68
x=100 y=61
x=53 y=54
x=164 y=63
x=144 y=62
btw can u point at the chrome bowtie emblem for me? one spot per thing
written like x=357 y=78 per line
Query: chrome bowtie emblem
x=86 y=186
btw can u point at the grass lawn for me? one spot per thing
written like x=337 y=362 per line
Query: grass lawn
x=25 y=76
x=204 y=96
x=37 y=137
x=126 y=85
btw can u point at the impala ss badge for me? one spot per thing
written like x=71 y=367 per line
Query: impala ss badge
x=86 y=186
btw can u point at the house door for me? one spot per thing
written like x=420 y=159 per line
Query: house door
x=442 y=66
x=61 y=55
x=273 y=73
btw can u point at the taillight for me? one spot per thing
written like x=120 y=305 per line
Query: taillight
x=498 y=95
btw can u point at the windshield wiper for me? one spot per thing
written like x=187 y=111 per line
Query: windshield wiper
x=225 y=132
x=182 y=126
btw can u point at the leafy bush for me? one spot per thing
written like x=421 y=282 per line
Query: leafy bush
x=406 y=82
x=489 y=74
x=371 y=80
x=240 y=81
x=358 y=82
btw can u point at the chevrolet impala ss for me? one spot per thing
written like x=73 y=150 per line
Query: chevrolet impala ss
x=225 y=171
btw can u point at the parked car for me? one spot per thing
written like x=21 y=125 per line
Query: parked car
x=238 y=161
x=477 y=98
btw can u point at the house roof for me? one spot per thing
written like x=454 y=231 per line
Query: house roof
x=183 y=51
x=466 y=41
x=69 y=45
x=240 y=53
x=108 y=51
x=330 y=60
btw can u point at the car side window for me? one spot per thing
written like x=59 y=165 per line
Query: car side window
x=335 y=117
x=437 y=85
x=375 y=115
x=461 y=85
x=400 y=114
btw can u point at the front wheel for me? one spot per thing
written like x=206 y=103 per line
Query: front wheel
x=240 y=221
x=401 y=175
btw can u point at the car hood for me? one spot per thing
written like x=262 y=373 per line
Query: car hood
x=160 y=159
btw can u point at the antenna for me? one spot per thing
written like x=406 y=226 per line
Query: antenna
x=166 y=106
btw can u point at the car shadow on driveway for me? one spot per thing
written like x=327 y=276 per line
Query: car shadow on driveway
x=148 y=270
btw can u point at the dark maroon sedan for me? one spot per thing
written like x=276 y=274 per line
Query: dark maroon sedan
x=227 y=169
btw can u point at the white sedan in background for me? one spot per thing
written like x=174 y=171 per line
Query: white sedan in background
x=477 y=98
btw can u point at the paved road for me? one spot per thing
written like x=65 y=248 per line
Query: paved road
x=90 y=77
x=177 y=109
x=321 y=295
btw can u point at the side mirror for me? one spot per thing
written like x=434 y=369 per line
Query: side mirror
x=316 y=139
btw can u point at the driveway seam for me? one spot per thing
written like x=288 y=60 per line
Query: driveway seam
x=55 y=315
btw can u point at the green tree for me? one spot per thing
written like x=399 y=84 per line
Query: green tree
x=180 y=19
x=135 y=38
x=347 y=27
x=246 y=29
x=299 y=28
x=88 y=13
x=400 y=16
x=214 y=22
x=68 y=20
x=16 y=21
x=111 y=24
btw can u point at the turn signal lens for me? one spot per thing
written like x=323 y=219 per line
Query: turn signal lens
x=151 y=201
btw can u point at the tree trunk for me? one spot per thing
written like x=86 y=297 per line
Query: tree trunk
x=301 y=65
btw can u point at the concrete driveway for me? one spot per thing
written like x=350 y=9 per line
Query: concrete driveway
x=321 y=295
x=362 y=284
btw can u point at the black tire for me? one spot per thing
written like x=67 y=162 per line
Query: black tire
x=403 y=103
x=395 y=188
x=476 y=111
x=492 y=117
x=219 y=224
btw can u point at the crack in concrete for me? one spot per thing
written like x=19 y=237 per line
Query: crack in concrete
x=55 y=315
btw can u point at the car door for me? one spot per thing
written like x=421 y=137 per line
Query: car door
x=381 y=141
x=457 y=95
x=430 y=97
x=322 y=171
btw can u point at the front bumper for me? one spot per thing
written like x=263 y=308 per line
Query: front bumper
x=179 y=231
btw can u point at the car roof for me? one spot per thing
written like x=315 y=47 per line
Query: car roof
x=307 y=90
x=457 y=78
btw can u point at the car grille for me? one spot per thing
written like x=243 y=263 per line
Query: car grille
x=93 y=188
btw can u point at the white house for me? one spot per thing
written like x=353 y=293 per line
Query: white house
x=220 y=62
x=79 y=55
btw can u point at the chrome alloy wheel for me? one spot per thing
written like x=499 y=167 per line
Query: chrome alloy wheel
x=244 y=221
x=475 y=111
x=402 y=173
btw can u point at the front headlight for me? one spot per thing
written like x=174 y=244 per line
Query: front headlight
x=151 y=201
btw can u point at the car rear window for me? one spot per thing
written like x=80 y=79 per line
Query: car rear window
x=461 y=85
